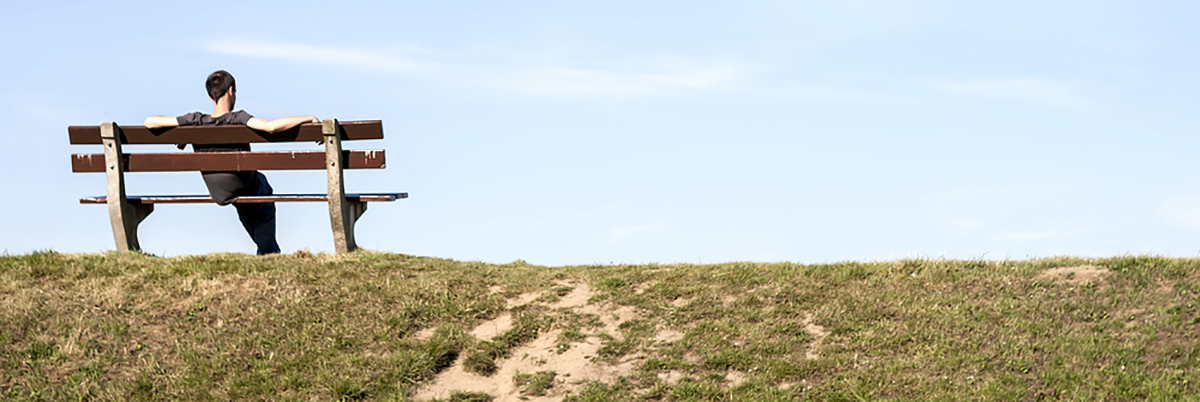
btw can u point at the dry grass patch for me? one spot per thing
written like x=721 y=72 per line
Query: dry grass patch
x=1074 y=275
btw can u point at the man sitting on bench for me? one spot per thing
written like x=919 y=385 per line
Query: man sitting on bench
x=225 y=187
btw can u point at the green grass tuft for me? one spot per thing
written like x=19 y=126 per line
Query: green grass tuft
x=535 y=384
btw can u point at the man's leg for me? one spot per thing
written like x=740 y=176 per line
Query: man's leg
x=259 y=219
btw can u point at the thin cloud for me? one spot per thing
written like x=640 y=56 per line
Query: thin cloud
x=833 y=95
x=655 y=76
x=645 y=79
x=308 y=54
x=1038 y=91
x=566 y=81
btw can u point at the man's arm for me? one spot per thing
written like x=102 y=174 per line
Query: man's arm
x=160 y=122
x=280 y=124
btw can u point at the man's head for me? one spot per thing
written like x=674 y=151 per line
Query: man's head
x=218 y=84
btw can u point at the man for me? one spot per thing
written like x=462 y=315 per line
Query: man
x=225 y=187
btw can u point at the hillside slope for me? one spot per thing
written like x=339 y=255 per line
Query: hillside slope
x=377 y=326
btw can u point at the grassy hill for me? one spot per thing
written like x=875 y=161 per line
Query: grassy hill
x=377 y=326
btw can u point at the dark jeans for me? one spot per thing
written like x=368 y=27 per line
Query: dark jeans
x=259 y=218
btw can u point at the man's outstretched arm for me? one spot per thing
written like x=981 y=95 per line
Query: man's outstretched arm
x=160 y=122
x=280 y=124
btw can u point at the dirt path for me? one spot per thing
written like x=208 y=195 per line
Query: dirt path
x=573 y=367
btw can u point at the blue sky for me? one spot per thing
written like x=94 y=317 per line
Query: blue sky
x=648 y=131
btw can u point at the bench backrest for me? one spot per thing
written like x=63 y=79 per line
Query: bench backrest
x=229 y=134
x=227 y=161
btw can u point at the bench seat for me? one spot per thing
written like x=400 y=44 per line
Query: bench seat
x=200 y=199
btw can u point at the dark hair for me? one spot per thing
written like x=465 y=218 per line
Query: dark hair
x=218 y=84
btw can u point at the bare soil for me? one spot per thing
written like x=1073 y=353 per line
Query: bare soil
x=574 y=366
x=1074 y=275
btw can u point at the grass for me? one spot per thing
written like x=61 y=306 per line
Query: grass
x=124 y=326
x=535 y=384
x=482 y=360
x=469 y=397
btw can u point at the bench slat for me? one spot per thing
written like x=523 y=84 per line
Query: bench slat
x=228 y=161
x=196 y=199
x=229 y=134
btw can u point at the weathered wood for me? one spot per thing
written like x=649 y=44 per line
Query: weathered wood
x=227 y=161
x=122 y=216
x=202 y=199
x=126 y=212
x=342 y=213
x=228 y=134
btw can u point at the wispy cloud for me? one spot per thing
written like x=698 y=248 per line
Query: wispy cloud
x=561 y=80
x=369 y=59
x=650 y=76
x=1031 y=90
x=624 y=80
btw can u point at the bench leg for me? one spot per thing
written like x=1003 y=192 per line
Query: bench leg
x=342 y=212
x=343 y=217
x=357 y=209
x=125 y=218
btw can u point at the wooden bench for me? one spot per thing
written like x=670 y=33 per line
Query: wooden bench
x=126 y=212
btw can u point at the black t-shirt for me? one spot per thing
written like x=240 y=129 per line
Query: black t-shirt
x=224 y=187
x=201 y=119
